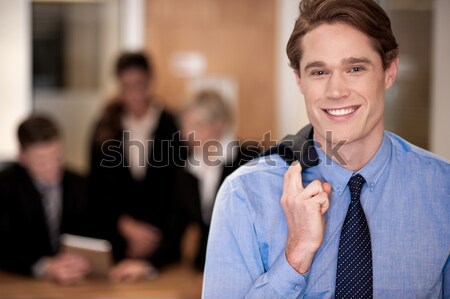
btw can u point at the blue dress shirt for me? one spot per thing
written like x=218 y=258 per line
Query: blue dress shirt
x=407 y=204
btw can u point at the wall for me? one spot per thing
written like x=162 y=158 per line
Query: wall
x=407 y=102
x=291 y=112
x=91 y=36
x=132 y=24
x=15 y=87
x=440 y=107
x=237 y=39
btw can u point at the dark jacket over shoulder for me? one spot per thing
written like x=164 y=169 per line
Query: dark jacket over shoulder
x=24 y=232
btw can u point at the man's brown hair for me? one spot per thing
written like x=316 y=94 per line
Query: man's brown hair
x=365 y=15
x=134 y=60
x=36 y=129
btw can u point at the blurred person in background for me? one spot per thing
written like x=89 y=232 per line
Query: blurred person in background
x=134 y=151
x=39 y=201
x=207 y=125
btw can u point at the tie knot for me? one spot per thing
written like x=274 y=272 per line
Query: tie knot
x=355 y=183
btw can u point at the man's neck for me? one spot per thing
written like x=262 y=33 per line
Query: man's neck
x=139 y=113
x=354 y=155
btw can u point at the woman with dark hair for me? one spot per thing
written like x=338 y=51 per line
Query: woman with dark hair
x=134 y=152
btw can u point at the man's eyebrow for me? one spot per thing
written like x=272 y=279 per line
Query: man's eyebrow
x=356 y=60
x=314 y=64
x=346 y=61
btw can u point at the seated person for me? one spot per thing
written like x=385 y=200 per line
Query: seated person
x=206 y=124
x=132 y=171
x=39 y=201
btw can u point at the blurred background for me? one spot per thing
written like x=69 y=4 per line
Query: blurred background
x=57 y=57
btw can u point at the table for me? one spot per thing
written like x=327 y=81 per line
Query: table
x=178 y=281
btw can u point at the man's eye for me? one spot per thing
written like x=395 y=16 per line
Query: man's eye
x=356 y=69
x=318 y=73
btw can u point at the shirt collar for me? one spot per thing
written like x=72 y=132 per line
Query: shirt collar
x=372 y=171
x=338 y=176
x=146 y=123
x=45 y=189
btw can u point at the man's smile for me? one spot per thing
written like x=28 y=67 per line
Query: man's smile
x=339 y=112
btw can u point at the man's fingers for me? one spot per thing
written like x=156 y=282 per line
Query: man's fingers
x=144 y=239
x=75 y=262
x=68 y=277
x=128 y=276
x=115 y=273
x=293 y=178
x=84 y=266
x=323 y=200
x=314 y=188
x=327 y=188
x=122 y=273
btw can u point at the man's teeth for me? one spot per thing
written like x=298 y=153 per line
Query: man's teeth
x=339 y=112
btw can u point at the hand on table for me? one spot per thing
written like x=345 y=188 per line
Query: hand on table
x=142 y=238
x=131 y=270
x=66 y=268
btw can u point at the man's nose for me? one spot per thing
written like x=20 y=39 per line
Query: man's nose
x=336 y=87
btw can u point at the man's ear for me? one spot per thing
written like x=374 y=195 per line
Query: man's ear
x=391 y=72
x=22 y=158
x=298 y=80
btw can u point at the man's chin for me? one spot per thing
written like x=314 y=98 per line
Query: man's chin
x=51 y=181
x=333 y=136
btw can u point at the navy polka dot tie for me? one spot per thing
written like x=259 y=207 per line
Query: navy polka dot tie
x=354 y=277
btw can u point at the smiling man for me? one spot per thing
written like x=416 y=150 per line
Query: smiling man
x=365 y=214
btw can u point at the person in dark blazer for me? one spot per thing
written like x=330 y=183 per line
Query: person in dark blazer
x=39 y=201
x=206 y=124
x=135 y=150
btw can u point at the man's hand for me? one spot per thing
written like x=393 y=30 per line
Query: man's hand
x=304 y=209
x=131 y=270
x=66 y=268
x=142 y=238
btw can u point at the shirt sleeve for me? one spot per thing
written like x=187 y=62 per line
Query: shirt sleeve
x=38 y=268
x=234 y=267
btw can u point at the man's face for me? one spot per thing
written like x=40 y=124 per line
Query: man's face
x=44 y=161
x=134 y=89
x=343 y=81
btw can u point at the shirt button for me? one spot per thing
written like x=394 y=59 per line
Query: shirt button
x=297 y=287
